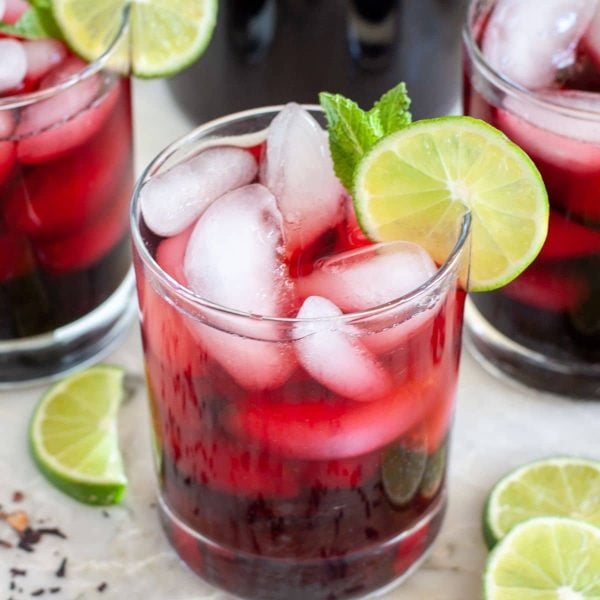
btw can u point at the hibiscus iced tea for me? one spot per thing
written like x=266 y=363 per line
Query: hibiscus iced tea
x=65 y=184
x=301 y=379
x=533 y=71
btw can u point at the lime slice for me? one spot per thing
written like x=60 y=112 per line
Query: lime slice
x=416 y=183
x=74 y=439
x=166 y=35
x=559 y=487
x=548 y=558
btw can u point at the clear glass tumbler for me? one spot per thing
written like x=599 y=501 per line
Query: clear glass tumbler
x=543 y=329
x=292 y=492
x=66 y=175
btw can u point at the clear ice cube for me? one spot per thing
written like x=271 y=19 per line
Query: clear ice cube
x=592 y=37
x=529 y=41
x=42 y=56
x=299 y=171
x=13 y=10
x=556 y=137
x=173 y=200
x=234 y=259
x=370 y=276
x=62 y=106
x=362 y=279
x=332 y=353
x=13 y=64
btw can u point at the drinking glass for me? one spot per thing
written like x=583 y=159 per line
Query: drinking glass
x=66 y=175
x=291 y=492
x=543 y=329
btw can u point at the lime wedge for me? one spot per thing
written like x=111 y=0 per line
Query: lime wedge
x=165 y=35
x=73 y=435
x=548 y=558
x=416 y=184
x=555 y=487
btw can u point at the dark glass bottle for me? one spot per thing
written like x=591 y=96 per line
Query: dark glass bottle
x=273 y=51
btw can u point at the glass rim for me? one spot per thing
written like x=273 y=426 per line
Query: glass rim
x=194 y=300
x=90 y=69
x=508 y=86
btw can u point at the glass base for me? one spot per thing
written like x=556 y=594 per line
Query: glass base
x=42 y=358
x=366 y=574
x=502 y=356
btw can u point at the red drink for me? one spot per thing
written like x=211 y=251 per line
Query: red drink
x=549 y=317
x=302 y=454
x=65 y=181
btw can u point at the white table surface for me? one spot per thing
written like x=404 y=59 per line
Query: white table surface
x=498 y=427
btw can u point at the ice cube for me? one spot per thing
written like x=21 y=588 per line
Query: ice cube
x=332 y=353
x=13 y=10
x=63 y=137
x=569 y=239
x=66 y=195
x=548 y=288
x=42 y=56
x=90 y=243
x=234 y=259
x=556 y=137
x=528 y=41
x=368 y=277
x=170 y=254
x=13 y=64
x=165 y=327
x=63 y=105
x=298 y=169
x=336 y=429
x=173 y=200
x=591 y=38
x=7 y=124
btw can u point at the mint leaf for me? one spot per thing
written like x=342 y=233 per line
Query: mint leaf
x=350 y=134
x=353 y=132
x=391 y=112
x=35 y=23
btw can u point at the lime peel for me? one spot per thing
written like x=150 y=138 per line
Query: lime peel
x=415 y=183
x=558 y=486
x=164 y=37
x=73 y=435
x=549 y=557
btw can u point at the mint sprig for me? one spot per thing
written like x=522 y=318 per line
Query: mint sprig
x=36 y=22
x=353 y=131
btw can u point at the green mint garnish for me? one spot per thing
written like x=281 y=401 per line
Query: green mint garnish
x=36 y=22
x=351 y=134
x=391 y=110
x=353 y=131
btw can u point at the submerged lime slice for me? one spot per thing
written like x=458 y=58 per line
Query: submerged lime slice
x=417 y=183
x=165 y=36
x=548 y=558
x=74 y=438
x=560 y=487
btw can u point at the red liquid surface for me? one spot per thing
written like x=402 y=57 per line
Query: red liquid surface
x=295 y=492
x=554 y=306
x=65 y=186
